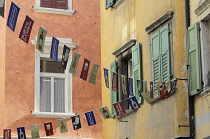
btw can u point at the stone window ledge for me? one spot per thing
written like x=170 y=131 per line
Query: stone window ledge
x=118 y=3
x=53 y=11
x=205 y=93
x=52 y=115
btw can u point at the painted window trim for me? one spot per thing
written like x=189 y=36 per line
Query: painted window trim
x=66 y=75
x=203 y=9
x=40 y=9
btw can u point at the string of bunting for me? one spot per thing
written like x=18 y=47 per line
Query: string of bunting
x=161 y=87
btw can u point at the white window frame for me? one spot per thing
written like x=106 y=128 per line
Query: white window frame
x=40 y=9
x=67 y=76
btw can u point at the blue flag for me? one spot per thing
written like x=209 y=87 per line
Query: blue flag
x=13 y=15
x=106 y=77
x=130 y=86
x=133 y=103
x=21 y=133
x=54 y=49
x=90 y=118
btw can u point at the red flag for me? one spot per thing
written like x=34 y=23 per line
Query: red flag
x=151 y=90
x=26 y=29
x=119 y=108
x=48 y=128
x=7 y=133
x=115 y=82
x=164 y=91
x=85 y=68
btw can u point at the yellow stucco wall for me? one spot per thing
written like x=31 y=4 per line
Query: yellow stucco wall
x=118 y=26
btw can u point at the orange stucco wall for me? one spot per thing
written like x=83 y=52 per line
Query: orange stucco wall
x=18 y=90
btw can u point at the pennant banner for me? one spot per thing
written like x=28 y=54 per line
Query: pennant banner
x=93 y=74
x=173 y=87
x=119 y=108
x=34 y=131
x=76 y=122
x=85 y=69
x=26 y=29
x=65 y=56
x=105 y=112
x=21 y=133
x=74 y=63
x=62 y=125
x=106 y=77
x=54 y=49
x=130 y=86
x=48 y=128
x=133 y=103
x=7 y=133
x=90 y=118
x=12 y=17
x=2 y=3
x=151 y=90
x=124 y=84
x=41 y=39
x=114 y=81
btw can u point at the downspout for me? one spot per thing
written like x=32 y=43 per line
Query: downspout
x=190 y=98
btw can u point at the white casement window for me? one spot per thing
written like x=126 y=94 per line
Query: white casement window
x=63 y=7
x=53 y=84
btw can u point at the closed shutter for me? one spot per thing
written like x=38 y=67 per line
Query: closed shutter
x=114 y=95
x=165 y=53
x=155 y=50
x=61 y=4
x=46 y=3
x=194 y=59
x=110 y=3
x=137 y=70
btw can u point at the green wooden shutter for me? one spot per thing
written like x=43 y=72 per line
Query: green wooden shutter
x=155 y=52
x=137 y=70
x=165 y=53
x=194 y=59
x=114 y=95
x=110 y=3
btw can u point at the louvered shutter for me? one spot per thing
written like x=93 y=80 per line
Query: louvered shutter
x=46 y=3
x=114 y=95
x=155 y=45
x=165 y=53
x=194 y=59
x=110 y=3
x=61 y=4
x=137 y=70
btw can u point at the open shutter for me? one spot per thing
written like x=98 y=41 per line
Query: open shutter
x=194 y=59
x=110 y=3
x=165 y=53
x=155 y=50
x=46 y=3
x=61 y=4
x=137 y=70
x=113 y=68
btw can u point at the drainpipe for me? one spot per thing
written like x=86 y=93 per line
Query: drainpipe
x=190 y=98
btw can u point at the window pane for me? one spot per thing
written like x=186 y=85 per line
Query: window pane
x=45 y=95
x=51 y=66
x=59 y=97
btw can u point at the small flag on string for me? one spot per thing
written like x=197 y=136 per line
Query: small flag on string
x=62 y=125
x=12 y=17
x=85 y=69
x=7 y=133
x=130 y=86
x=133 y=103
x=2 y=3
x=106 y=77
x=65 y=56
x=76 y=122
x=114 y=81
x=54 y=49
x=124 y=84
x=41 y=39
x=105 y=112
x=21 y=133
x=119 y=108
x=151 y=90
x=139 y=86
x=90 y=118
x=173 y=87
x=48 y=128
x=158 y=89
x=26 y=29
x=93 y=74
x=74 y=63
x=164 y=90
x=34 y=131
x=145 y=89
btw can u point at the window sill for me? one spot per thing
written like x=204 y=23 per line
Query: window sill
x=53 y=115
x=205 y=93
x=53 y=11
x=118 y=3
